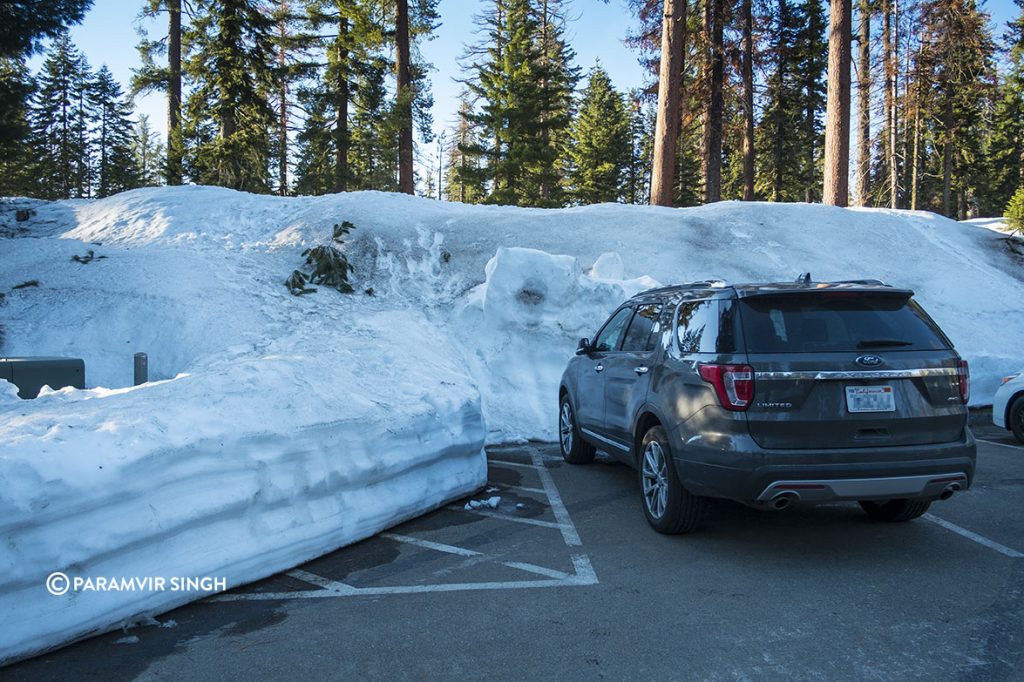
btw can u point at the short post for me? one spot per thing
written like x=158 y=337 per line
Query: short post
x=141 y=368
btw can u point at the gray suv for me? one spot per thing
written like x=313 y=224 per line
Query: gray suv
x=770 y=394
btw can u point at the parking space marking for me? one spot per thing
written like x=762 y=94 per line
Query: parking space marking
x=506 y=517
x=971 y=535
x=569 y=534
x=584 y=573
x=320 y=581
x=522 y=489
x=505 y=462
x=427 y=544
x=1005 y=445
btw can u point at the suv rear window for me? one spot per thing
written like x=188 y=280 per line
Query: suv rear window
x=826 y=322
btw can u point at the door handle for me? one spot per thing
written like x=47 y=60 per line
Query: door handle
x=599 y=368
x=641 y=369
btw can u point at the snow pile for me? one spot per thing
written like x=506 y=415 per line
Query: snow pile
x=278 y=428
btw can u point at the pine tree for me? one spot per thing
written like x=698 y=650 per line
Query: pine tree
x=1005 y=146
x=60 y=125
x=228 y=118
x=778 y=136
x=23 y=26
x=466 y=174
x=641 y=149
x=523 y=80
x=954 y=67
x=111 y=113
x=147 y=154
x=16 y=159
x=152 y=76
x=599 y=148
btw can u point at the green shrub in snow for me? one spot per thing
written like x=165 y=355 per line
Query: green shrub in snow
x=1014 y=213
x=329 y=265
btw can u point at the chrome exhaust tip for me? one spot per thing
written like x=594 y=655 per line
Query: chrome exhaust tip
x=949 y=491
x=784 y=499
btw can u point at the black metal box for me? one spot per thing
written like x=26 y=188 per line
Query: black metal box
x=31 y=374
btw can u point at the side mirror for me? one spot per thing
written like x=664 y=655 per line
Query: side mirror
x=583 y=347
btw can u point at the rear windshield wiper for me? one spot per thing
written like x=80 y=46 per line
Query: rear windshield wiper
x=875 y=343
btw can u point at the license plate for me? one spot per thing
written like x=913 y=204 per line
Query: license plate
x=870 y=399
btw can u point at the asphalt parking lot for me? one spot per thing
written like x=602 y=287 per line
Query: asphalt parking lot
x=566 y=580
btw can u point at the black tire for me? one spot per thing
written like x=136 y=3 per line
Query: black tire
x=1015 y=418
x=661 y=491
x=895 y=510
x=574 y=449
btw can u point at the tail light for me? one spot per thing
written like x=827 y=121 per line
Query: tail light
x=963 y=376
x=734 y=384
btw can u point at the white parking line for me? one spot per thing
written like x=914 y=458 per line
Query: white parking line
x=507 y=517
x=1004 y=445
x=505 y=462
x=971 y=535
x=569 y=533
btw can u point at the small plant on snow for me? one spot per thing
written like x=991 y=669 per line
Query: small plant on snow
x=330 y=267
x=1014 y=213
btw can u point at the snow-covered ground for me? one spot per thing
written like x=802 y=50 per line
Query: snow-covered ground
x=278 y=428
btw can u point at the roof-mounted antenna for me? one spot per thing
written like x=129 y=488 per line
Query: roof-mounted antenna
x=804 y=278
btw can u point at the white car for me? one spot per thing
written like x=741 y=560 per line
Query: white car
x=1008 y=405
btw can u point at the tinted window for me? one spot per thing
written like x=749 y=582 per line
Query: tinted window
x=640 y=336
x=609 y=337
x=697 y=326
x=836 y=322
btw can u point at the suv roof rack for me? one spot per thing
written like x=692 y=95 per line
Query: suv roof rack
x=699 y=284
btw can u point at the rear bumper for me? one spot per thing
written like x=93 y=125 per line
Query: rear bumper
x=754 y=475
x=929 y=486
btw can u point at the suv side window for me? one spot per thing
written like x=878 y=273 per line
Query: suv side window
x=640 y=337
x=609 y=337
x=697 y=326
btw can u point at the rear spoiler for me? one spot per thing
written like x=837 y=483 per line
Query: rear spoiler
x=838 y=289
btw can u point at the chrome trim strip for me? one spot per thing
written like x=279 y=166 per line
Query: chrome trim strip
x=609 y=441
x=857 y=488
x=861 y=374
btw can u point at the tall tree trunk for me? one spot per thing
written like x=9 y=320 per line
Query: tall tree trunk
x=783 y=55
x=748 y=101
x=405 y=95
x=864 y=106
x=947 y=159
x=282 y=131
x=666 y=128
x=544 y=190
x=837 y=117
x=712 y=162
x=889 y=100
x=341 y=100
x=174 y=142
x=916 y=153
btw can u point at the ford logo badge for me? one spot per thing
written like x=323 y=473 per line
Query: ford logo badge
x=869 y=361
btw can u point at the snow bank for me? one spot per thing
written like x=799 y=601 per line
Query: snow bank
x=279 y=428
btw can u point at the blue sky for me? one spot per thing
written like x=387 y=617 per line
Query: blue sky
x=596 y=31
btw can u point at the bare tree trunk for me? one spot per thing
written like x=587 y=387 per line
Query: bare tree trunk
x=405 y=95
x=341 y=141
x=282 y=94
x=864 y=106
x=174 y=144
x=837 y=117
x=666 y=128
x=748 y=101
x=712 y=162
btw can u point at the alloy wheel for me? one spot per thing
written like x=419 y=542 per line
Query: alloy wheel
x=565 y=428
x=655 y=479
